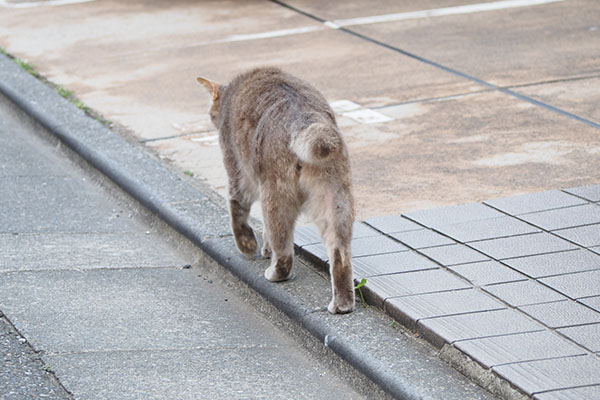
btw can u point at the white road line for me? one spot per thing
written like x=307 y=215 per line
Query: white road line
x=438 y=12
x=31 y=4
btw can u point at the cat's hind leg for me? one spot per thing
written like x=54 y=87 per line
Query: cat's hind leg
x=242 y=232
x=280 y=210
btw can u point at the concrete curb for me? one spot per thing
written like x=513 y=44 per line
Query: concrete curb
x=205 y=224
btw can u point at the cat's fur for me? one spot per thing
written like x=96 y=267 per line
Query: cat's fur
x=281 y=143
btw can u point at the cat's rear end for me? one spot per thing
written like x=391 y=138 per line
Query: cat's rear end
x=281 y=143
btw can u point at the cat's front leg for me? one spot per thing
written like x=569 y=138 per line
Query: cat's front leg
x=342 y=284
x=243 y=234
x=266 y=251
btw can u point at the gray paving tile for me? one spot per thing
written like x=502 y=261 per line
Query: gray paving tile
x=318 y=251
x=476 y=325
x=487 y=229
x=581 y=284
x=438 y=217
x=525 y=245
x=392 y=223
x=360 y=230
x=581 y=393
x=454 y=254
x=533 y=202
x=546 y=375
x=375 y=245
x=593 y=302
x=487 y=272
x=565 y=217
x=524 y=293
x=528 y=346
x=586 y=335
x=418 y=282
x=410 y=309
x=556 y=263
x=595 y=249
x=586 y=236
x=590 y=192
x=422 y=238
x=562 y=314
x=390 y=263
x=305 y=235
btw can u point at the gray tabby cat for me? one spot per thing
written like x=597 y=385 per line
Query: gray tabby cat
x=280 y=143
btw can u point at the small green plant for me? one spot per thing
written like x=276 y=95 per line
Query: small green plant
x=358 y=287
x=188 y=172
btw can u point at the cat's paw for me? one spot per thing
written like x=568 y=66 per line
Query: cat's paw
x=280 y=270
x=341 y=304
x=246 y=242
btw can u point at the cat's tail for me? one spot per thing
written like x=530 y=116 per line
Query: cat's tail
x=316 y=143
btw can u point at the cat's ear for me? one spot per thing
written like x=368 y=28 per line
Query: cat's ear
x=211 y=86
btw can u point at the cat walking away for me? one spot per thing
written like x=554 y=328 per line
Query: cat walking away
x=281 y=144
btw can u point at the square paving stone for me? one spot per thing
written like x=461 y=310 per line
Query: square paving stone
x=360 y=230
x=524 y=293
x=592 y=302
x=422 y=238
x=487 y=272
x=556 y=263
x=454 y=254
x=375 y=245
x=392 y=223
x=586 y=335
x=438 y=217
x=390 y=263
x=418 y=282
x=528 y=346
x=582 y=393
x=581 y=284
x=318 y=251
x=557 y=373
x=586 y=236
x=453 y=328
x=487 y=229
x=305 y=235
x=408 y=310
x=565 y=217
x=532 y=202
x=525 y=245
x=562 y=314
x=590 y=192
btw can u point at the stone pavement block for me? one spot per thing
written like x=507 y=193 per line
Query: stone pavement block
x=581 y=393
x=524 y=293
x=581 y=284
x=392 y=224
x=360 y=230
x=487 y=229
x=85 y=251
x=124 y=309
x=533 y=202
x=528 y=346
x=592 y=302
x=36 y=204
x=524 y=245
x=587 y=336
x=562 y=314
x=586 y=236
x=428 y=281
x=408 y=310
x=487 y=272
x=318 y=251
x=565 y=217
x=422 y=238
x=305 y=235
x=375 y=245
x=590 y=192
x=391 y=263
x=437 y=217
x=555 y=263
x=454 y=254
x=595 y=249
x=557 y=373
x=211 y=373
x=476 y=325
